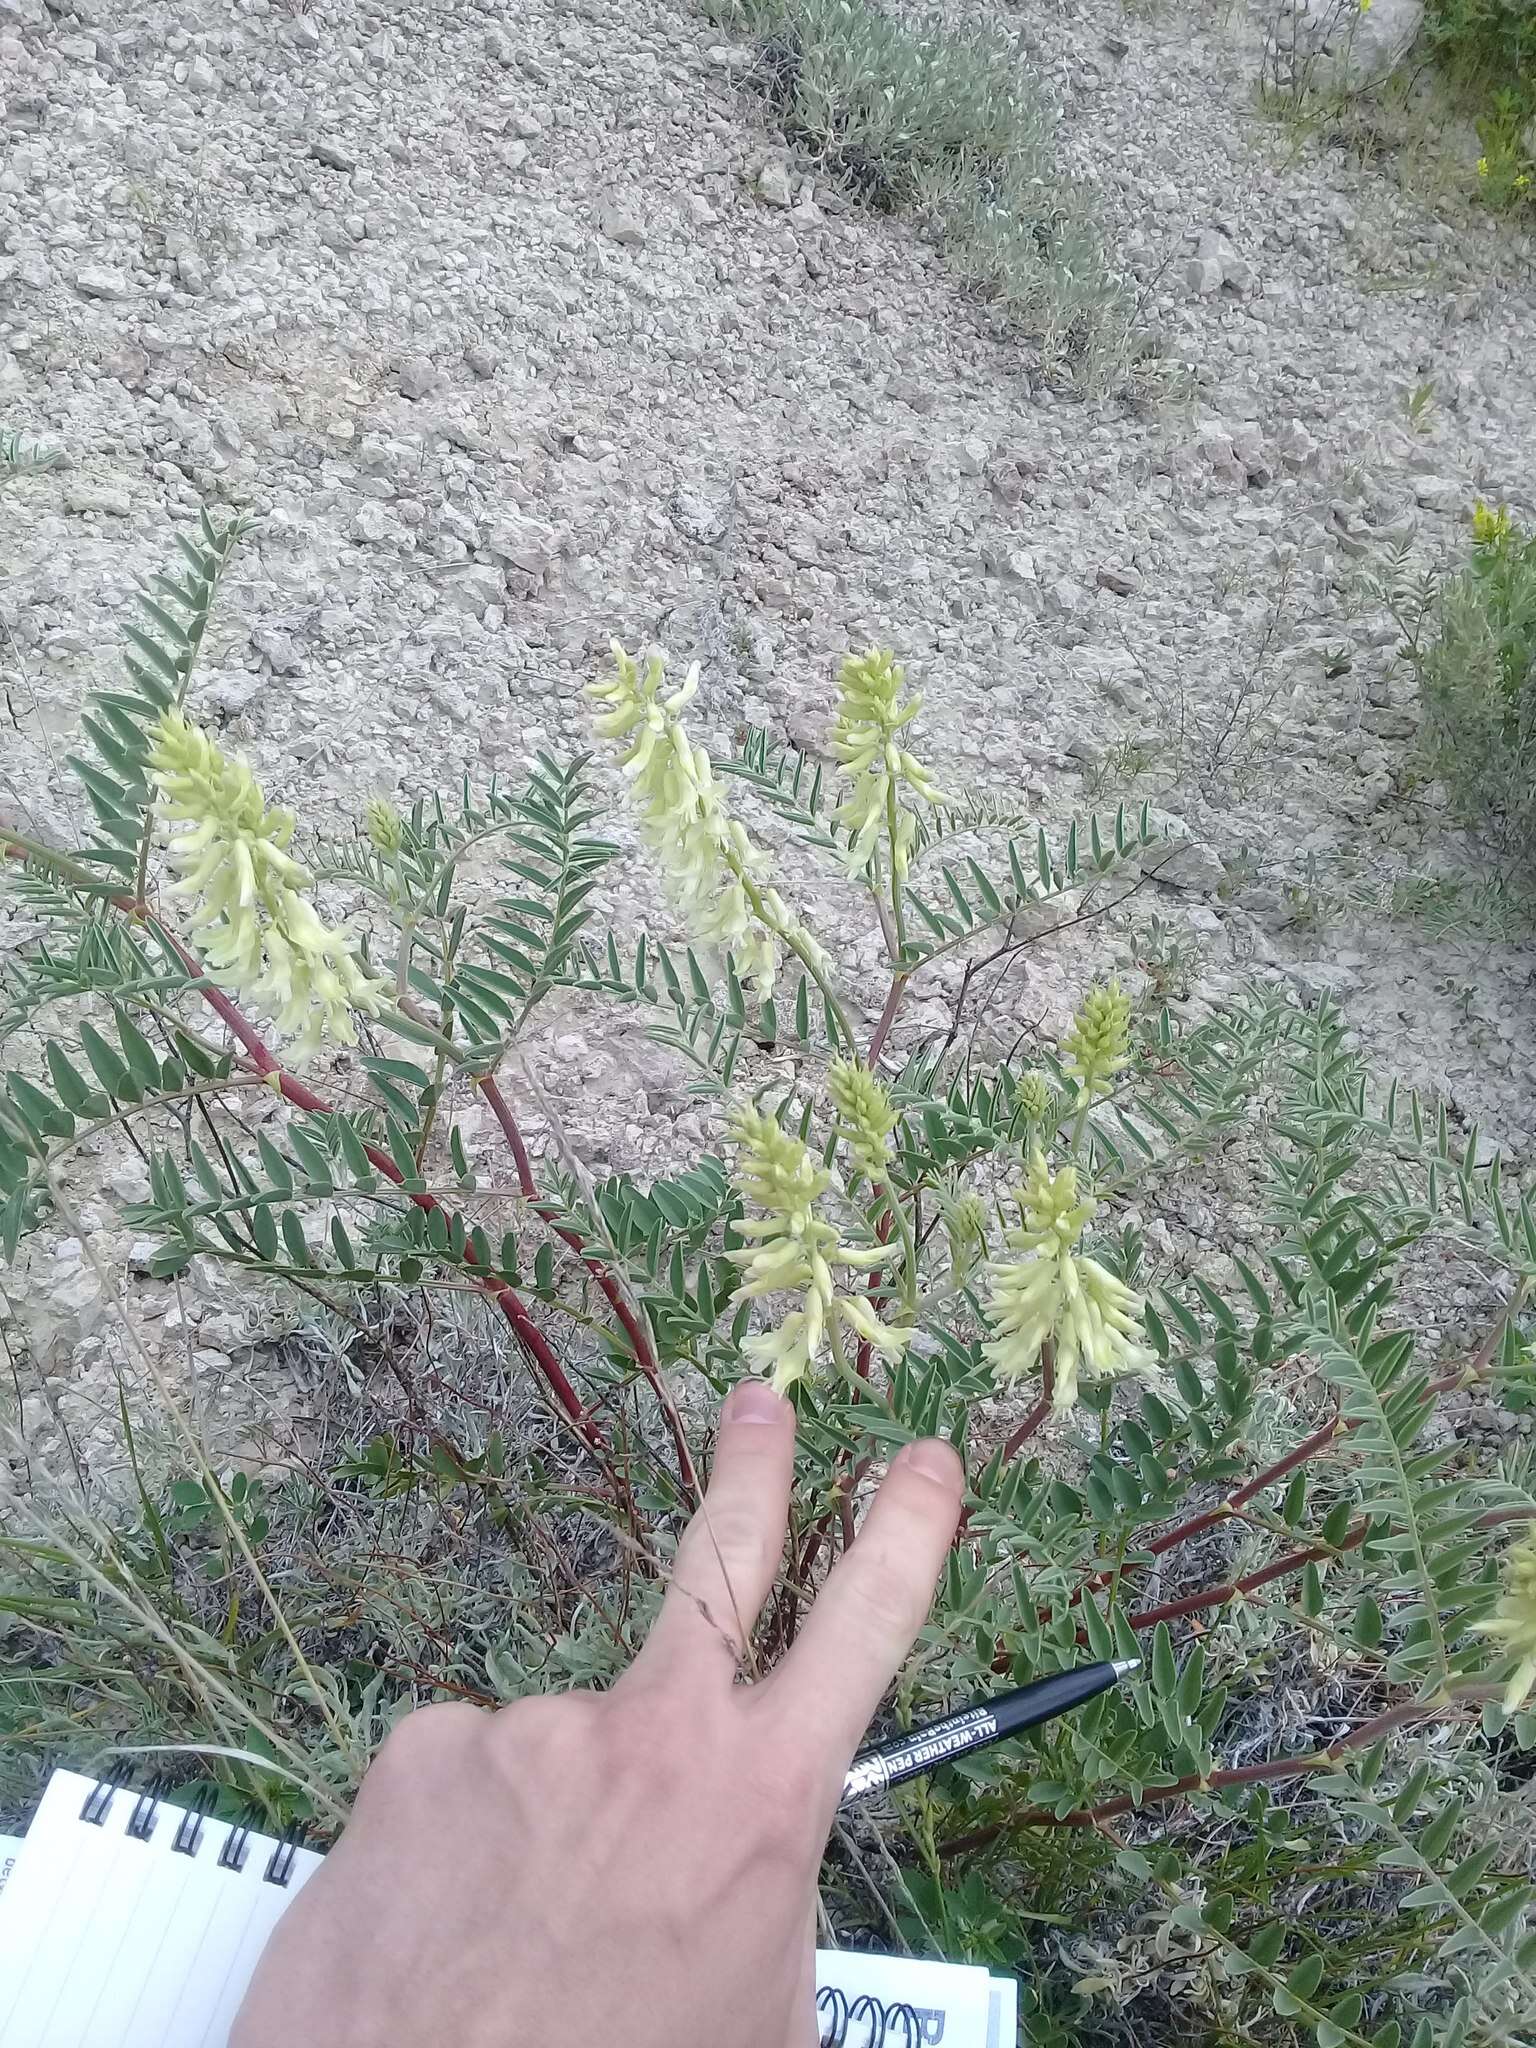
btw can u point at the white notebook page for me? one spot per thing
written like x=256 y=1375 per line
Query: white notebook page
x=110 y=1941
x=107 y=1941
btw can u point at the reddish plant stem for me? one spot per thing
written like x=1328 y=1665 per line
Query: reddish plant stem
x=894 y=994
x=1233 y=1589
x=1042 y=1408
x=1217 y=1781
x=505 y=1296
x=1300 y=1454
x=1031 y=1423
x=639 y=1337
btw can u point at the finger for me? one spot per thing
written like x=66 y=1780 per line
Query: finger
x=731 y=1549
x=867 y=1615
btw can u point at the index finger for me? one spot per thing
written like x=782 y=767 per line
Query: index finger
x=731 y=1549
x=867 y=1615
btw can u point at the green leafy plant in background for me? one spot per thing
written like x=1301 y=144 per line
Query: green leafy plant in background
x=22 y=453
x=1291 y=1828
x=924 y=117
x=1486 y=50
x=1470 y=640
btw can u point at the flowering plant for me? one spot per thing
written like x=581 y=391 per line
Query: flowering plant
x=1227 y=1461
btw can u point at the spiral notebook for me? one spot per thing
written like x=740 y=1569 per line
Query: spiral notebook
x=127 y=1921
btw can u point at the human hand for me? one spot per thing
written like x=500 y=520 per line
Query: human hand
x=638 y=1865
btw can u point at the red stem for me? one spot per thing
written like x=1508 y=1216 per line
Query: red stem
x=506 y=1297
x=1031 y=1423
x=1216 y=1781
x=1218 y=1596
x=634 y=1329
x=894 y=994
x=1299 y=1454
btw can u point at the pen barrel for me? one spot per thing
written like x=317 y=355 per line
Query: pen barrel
x=1048 y=1697
x=894 y=1762
x=908 y=1756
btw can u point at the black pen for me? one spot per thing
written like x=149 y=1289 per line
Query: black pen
x=924 y=1749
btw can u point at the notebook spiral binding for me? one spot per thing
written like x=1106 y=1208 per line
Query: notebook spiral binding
x=865 y=2022
x=142 y=1820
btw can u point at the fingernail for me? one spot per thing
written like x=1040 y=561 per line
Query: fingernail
x=755 y=1401
x=935 y=1459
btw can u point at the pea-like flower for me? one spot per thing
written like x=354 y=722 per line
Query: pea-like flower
x=966 y=1217
x=795 y=1250
x=1032 y=1096
x=704 y=853
x=1098 y=1045
x=385 y=826
x=1053 y=1293
x=259 y=934
x=865 y=1116
x=872 y=712
x=1513 y=1621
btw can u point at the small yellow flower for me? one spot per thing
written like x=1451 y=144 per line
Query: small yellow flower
x=873 y=710
x=1490 y=528
x=1054 y=1293
x=965 y=1222
x=1098 y=1045
x=797 y=1251
x=386 y=829
x=1482 y=167
x=1032 y=1096
x=866 y=1118
x=1513 y=1622
x=259 y=935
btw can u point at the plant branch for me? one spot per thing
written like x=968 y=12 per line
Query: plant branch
x=639 y=1337
x=1404 y=1715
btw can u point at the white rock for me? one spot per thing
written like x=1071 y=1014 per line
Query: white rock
x=1119 y=581
x=418 y=378
x=1341 y=46
x=524 y=544
x=201 y=76
x=82 y=496
x=773 y=184
x=474 y=588
x=97 y=281
x=1440 y=493
x=1202 y=276
x=619 y=220
x=279 y=649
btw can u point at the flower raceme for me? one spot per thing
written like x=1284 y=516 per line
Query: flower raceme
x=1098 y=1045
x=1513 y=1621
x=704 y=853
x=865 y=1116
x=1053 y=1293
x=872 y=712
x=259 y=934
x=795 y=1250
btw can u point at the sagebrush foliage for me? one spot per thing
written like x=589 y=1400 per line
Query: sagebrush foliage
x=1253 y=1841
x=1470 y=640
x=918 y=114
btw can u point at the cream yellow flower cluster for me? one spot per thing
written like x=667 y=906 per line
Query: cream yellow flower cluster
x=1513 y=1622
x=1098 y=1045
x=702 y=850
x=865 y=1116
x=872 y=711
x=1057 y=1294
x=258 y=934
x=795 y=1250
x=966 y=1218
